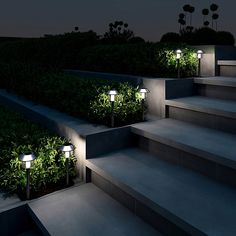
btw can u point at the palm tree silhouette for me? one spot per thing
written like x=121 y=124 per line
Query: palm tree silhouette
x=215 y=16
x=214 y=7
x=205 y=13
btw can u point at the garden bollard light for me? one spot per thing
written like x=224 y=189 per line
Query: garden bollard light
x=67 y=149
x=27 y=158
x=112 y=94
x=143 y=92
x=178 y=55
x=199 y=56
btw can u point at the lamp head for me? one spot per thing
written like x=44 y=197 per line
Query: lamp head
x=67 y=149
x=178 y=54
x=199 y=54
x=143 y=92
x=112 y=94
x=27 y=158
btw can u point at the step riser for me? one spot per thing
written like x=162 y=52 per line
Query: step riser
x=179 y=157
x=139 y=208
x=221 y=123
x=215 y=91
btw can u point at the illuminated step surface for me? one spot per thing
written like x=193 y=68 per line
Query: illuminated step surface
x=193 y=202
x=86 y=210
x=209 y=112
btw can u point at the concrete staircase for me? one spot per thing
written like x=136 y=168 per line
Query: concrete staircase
x=180 y=174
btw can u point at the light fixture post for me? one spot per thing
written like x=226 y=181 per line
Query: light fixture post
x=178 y=55
x=27 y=158
x=199 y=56
x=67 y=149
x=143 y=92
x=28 y=184
x=112 y=94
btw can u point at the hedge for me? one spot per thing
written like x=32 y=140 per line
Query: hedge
x=83 y=98
x=18 y=136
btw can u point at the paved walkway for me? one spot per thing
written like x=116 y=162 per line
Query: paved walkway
x=201 y=202
x=88 y=211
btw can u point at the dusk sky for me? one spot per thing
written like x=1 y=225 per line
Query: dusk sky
x=147 y=18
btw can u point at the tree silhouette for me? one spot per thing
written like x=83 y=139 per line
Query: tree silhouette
x=191 y=10
x=118 y=33
x=205 y=12
x=181 y=20
x=215 y=16
x=76 y=28
x=214 y=7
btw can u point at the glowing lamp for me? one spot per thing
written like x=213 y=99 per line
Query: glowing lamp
x=27 y=158
x=112 y=94
x=199 y=54
x=178 y=54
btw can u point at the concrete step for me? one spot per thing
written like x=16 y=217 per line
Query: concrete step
x=174 y=199
x=205 y=150
x=208 y=112
x=86 y=210
x=216 y=87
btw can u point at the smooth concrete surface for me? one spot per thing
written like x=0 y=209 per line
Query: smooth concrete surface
x=203 y=203
x=218 y=107
x=217 y=146
x=8 y=201
x=219 y=80
x=86 y=210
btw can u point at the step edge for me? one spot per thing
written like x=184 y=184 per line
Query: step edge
x=186 y=148
x=146 y=201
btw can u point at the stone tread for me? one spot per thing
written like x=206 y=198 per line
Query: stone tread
x=226 y=108
x=197 y=200
x=86 y=210
x=211 y=144
x=218 y=81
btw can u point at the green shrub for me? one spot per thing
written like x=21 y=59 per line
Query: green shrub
x=83 y=98
x=17 y=136
x=147 y=59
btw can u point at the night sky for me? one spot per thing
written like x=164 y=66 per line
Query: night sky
x=147 y=18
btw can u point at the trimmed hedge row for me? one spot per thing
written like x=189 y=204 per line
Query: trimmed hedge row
x=85 y=52
x=18 y=136
x=84 y=98
x=147 y=59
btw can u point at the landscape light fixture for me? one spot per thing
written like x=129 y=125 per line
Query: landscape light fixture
x=143 y=92
x=112 y=93
x=199 y=56
x=67 y=149
x=26 y=159
x=178 y=56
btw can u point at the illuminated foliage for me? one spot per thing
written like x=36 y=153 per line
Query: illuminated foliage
x=18 y=136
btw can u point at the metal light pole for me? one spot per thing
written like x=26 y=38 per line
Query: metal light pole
x=112 y=94
x=67 y=149
x=143 y=92
x=199 y=56
x=178 y=55
x=27 y=158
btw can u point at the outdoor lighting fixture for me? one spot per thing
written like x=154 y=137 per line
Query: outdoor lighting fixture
x=199 y=56
x=67 y=149
x=143 y=92
x=112 y=93
x=27 y=158
x=178 y=55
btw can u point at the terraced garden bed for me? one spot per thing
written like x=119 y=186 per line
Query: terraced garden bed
x=17 y=136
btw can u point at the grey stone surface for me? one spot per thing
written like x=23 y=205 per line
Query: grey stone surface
x=219 y=80
x=202 y=203
x=86 y=210
x=208 y=105
x=211 y=144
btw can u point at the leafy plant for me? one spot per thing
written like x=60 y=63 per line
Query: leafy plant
x=18 y=136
